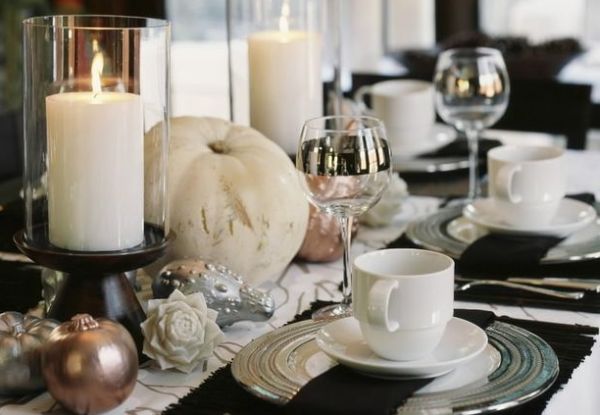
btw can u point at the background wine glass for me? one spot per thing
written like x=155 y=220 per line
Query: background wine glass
x=471 y=93
x=345 y=165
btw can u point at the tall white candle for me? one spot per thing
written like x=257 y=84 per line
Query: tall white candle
x=411 y=24
x=95 y=170
x=285 y=83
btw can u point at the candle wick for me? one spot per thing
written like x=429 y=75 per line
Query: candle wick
x=95 y=95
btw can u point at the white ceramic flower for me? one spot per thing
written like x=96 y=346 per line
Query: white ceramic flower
x=382 y=214
x=180 y=331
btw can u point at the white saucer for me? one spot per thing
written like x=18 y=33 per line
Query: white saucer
x=572 y=215
x=439 y=136
x=342 y=340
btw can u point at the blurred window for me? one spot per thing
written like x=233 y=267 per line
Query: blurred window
x=199 y=82
x=537 y=20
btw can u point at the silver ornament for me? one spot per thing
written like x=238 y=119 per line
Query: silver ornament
x=224 y=290
x=22 y=339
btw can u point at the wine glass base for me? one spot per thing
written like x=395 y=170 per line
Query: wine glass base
x=333 y=312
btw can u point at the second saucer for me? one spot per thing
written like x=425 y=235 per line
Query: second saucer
x=572 y=215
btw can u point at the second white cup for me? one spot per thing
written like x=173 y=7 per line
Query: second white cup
x=403 y=299
x=526 y=183
x=406 y=107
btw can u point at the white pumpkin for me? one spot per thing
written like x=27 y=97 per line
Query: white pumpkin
x=234 y=197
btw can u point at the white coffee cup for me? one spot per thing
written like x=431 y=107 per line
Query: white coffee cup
x=526 y=183
x=403 y=299
x=406 y=107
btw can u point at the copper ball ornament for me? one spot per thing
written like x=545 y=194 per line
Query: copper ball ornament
x=90 y=366
x=323 y=241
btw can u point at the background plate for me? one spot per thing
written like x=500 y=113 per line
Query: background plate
x=433 y=233
x=275 y=366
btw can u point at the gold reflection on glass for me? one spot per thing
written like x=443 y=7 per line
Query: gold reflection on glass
x=489 y=85
x=462 y=86
x=498 y=86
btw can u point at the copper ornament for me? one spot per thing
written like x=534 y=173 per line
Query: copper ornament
x=323 y=241
x=90 y=366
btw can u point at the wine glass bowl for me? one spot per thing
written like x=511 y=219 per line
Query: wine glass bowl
x=472 y=89
x=344 y=164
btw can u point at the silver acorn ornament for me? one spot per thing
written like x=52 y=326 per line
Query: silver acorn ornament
x=224 y=290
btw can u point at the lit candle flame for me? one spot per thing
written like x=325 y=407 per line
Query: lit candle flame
x=284 y=20
x=97 y=66
x=463 y=86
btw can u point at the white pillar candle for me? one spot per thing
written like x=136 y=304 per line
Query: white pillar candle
x=285 y=83
x=411 y=24
x=95 y=170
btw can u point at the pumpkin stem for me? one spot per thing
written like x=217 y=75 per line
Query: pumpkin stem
x=219 y=147
x=83 y=322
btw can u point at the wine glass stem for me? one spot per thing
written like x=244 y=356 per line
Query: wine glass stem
x=346 y=232
x=473 y=143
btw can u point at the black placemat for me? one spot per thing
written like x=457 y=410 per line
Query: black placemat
x=454 y=178
x=460 y=147
x=221 y=394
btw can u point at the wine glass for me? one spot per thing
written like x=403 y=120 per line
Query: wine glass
x=471 y=93
x=344 y=163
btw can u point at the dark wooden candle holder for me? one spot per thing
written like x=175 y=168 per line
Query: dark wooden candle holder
x=95 y=282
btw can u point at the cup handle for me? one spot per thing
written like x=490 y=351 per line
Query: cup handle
x=379 y=302
x=504 y=183
x=359 y=97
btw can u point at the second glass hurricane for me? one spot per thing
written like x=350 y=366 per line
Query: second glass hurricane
x=345 y=165
x=472 y=90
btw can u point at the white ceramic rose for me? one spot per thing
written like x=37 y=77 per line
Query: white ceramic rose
x=180 y=331
x=390 y=204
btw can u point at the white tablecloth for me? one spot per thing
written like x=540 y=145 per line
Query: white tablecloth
x=302 y=283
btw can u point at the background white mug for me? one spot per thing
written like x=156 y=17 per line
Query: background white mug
x=526 y=183
x=406 y=107
x=403 y=299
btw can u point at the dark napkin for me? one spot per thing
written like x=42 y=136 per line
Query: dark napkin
x=343 y=391
x=504 y=255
